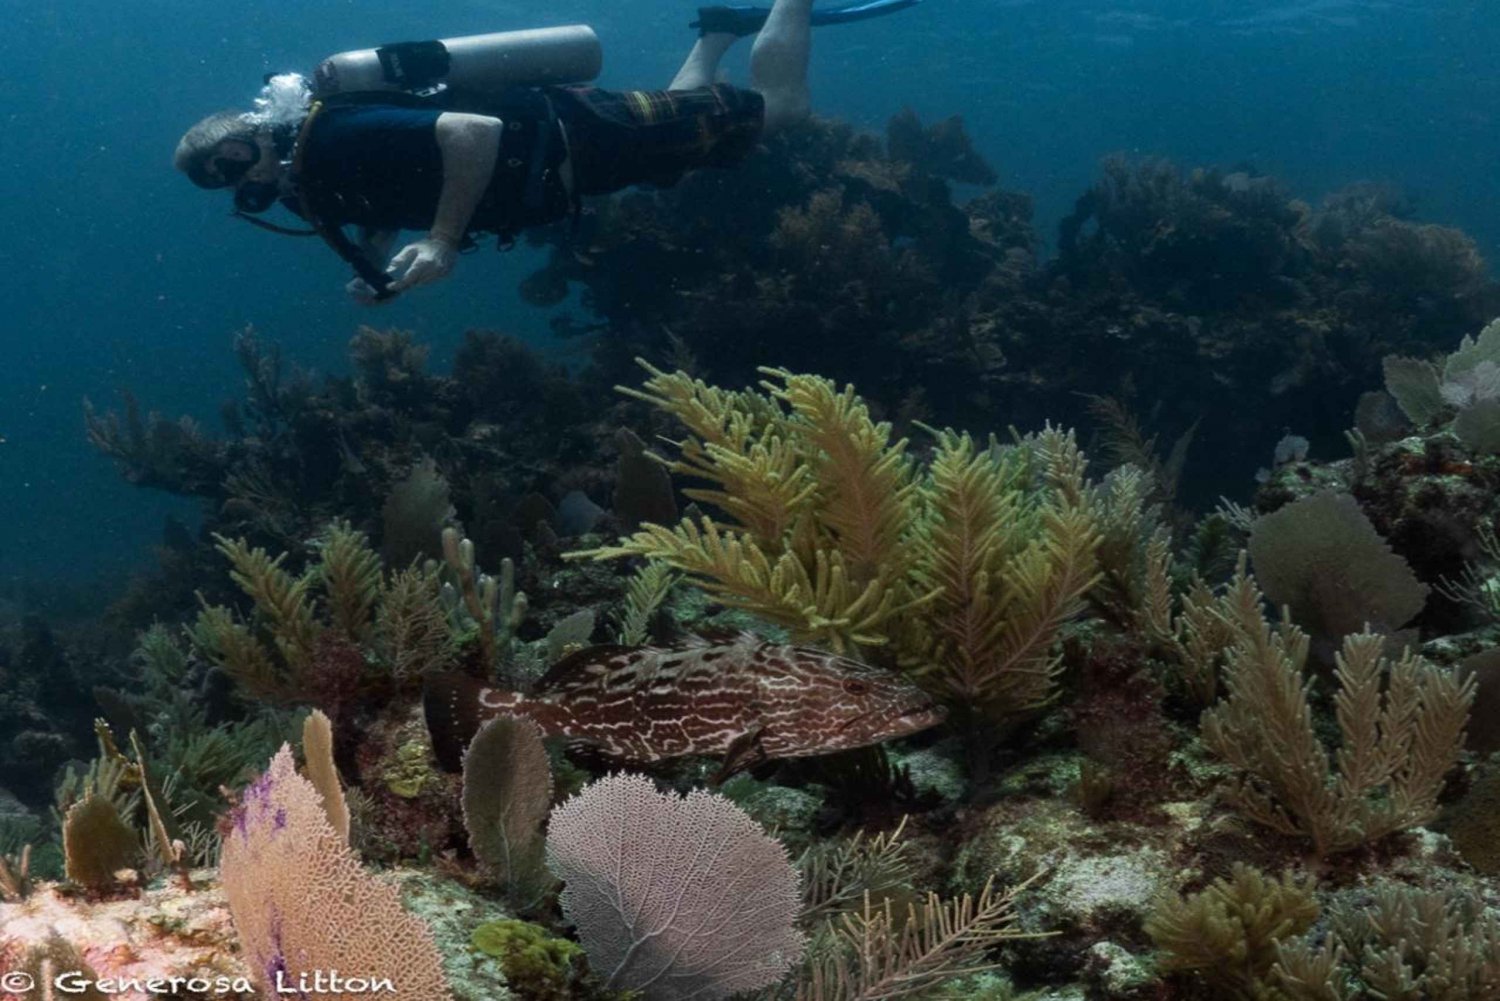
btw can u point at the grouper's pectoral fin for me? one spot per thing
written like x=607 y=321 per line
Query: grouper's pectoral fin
x=745 y=751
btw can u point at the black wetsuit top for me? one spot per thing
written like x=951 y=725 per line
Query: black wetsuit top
x=374 y=165
x=375 y=162
x=379 y=165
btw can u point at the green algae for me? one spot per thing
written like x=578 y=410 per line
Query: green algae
x=452 y=911
x=410 y=770
x=536 y=965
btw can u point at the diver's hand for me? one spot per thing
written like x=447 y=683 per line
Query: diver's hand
x=422 y=262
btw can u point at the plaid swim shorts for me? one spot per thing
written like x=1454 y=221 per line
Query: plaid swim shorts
x=622 y=137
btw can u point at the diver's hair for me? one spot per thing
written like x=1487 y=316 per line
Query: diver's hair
x=197 y=145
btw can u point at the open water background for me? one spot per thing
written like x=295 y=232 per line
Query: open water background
x=115 y=272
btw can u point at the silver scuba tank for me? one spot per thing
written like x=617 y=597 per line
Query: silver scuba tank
x=473 y=64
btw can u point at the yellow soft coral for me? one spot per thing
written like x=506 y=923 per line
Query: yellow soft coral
x=964 y=568
x=1009 y=549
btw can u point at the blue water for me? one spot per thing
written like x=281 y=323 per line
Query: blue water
x=117 y=273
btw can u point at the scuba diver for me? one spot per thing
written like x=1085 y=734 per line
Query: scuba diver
x=493 y=134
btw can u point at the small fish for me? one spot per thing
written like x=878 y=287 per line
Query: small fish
x=739 y=697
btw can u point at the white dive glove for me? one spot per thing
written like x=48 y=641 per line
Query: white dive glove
x=422 y=262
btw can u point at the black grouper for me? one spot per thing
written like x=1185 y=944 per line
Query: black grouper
x=739 y=698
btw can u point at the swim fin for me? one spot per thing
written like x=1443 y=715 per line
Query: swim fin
x=744 y=19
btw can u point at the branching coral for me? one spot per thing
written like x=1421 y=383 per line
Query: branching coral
x=308 y=636
x=819 y=502
x=1205 y=626
x=1228 y=932
x=1006 y=542
x=15 y=875
x=1401 y=729
x=489 y=608
x=836 y=876
x=1408 y=943
x=649 y=587
x=965 y=568
x=156 y=452
x=879 y=954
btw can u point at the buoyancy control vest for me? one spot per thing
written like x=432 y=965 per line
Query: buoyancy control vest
x=497 y=74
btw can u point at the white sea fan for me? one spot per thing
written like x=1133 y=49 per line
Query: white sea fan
x=677 y=897
x=1482 y=382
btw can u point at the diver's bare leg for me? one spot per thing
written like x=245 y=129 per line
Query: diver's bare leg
x=778 y=63
x=702 y=65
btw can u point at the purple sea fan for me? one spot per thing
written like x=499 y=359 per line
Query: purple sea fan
x=303 y=905
x=678 y=897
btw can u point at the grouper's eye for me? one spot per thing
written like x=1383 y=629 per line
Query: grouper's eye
x=855 y=687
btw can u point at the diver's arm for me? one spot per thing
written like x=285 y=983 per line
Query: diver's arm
x=470 y=145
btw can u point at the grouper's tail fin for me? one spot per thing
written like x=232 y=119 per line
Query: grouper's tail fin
x=450 y=701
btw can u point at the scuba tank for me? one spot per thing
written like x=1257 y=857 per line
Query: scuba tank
x=452 y=70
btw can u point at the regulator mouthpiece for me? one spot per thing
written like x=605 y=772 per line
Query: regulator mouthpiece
x=256 y=196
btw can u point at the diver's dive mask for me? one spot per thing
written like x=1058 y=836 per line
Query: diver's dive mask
x=228 y=170
x=256 y=196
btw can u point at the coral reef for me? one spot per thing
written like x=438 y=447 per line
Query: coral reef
x=395 y=451
x=1153 y=782
x=1203 y=299
x=113 y=947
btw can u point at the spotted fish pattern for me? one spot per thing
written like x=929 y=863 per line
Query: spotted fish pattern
x=739 y=698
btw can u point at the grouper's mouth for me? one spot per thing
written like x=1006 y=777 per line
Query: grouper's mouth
x=906 y=721
x=920 y=717
x=935 y=712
